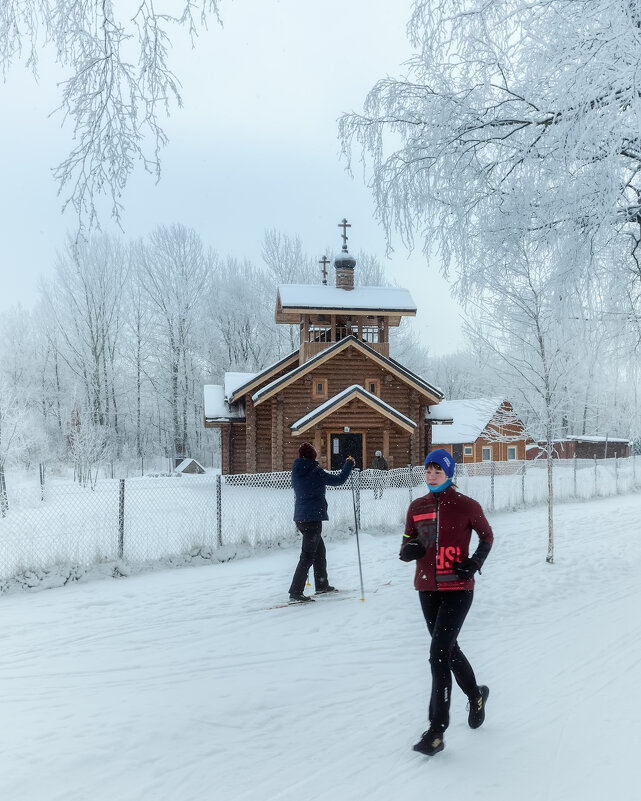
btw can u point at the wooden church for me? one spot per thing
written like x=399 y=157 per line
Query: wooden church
x=340 y=390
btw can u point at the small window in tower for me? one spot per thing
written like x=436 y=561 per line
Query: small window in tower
x=319 y=391
x=370 y=333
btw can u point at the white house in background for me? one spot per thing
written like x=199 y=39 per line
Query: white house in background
x=482 y=430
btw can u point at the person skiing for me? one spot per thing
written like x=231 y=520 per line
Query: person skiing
x=437 y=535
x=378 y=463
x=309 y=481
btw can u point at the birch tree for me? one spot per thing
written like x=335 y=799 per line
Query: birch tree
x=514 y=118
x=528 y=322
x=119 y=82
x=85 y=302
x=174 y=272
x=241 y=308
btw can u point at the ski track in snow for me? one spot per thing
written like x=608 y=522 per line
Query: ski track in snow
x=186 y=686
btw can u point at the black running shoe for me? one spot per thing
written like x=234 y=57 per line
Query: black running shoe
x=299 y=598
x=477 y=707
x=430 y=743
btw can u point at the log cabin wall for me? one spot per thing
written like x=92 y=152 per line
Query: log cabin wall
x=265 y=442
x=237 y=443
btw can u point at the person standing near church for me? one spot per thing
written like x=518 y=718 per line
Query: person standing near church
x=437 y=535
x=309 y=481
x=378 y=463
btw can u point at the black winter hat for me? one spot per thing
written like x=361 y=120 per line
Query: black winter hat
x=307 y=451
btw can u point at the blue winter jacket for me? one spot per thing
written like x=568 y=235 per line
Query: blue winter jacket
x=309 y=481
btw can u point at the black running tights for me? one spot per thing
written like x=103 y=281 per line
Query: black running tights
x=444 y=614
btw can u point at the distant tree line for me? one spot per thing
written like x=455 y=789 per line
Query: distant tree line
x=111 y=363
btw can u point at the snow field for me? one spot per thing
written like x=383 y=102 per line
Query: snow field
x=184 y=686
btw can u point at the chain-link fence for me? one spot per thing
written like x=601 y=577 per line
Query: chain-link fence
x=56 y=527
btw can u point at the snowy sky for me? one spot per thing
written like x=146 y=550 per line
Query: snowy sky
x=255 y=147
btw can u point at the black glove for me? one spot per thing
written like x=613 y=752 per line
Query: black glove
x=466 y=569
x=410 y=550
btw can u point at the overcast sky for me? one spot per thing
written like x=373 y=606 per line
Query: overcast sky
x=255 y=147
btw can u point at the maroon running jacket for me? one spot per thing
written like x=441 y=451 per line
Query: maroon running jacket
x=443 y=523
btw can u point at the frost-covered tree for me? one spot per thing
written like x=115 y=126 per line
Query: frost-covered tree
x=528 y=322
x=461 y=375
x=515 y=118
x=174 y=272
x=241 y=307
x=287 y=263
x=85 y=303
x=119 y=84
x=87 y=445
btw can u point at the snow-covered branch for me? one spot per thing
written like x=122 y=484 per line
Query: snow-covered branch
x=119 y=85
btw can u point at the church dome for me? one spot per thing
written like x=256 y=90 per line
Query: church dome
x=344 y=261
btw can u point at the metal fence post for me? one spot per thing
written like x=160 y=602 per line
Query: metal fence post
x=219 y=511
x=409 y=483
x=574 y=460
x=4 y=497
x=121 y=520
x=41 y=469
x=523 y=482
x=616 y=474
x=492 y=485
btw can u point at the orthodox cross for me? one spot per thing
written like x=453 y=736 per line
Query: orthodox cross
x=324 y=261
x=344 y=225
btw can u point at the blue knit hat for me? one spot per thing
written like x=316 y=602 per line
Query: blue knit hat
x=443 y=459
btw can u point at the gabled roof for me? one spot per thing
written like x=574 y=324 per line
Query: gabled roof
x=330 y=352
x=344 y=397
x=292 y=300
x=255 y=379
x=189 y=465
x=470 y=419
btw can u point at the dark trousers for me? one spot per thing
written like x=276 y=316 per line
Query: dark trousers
x=312 y=554
x=444 y=614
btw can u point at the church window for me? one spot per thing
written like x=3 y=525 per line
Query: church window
x=373 y=385
x=319 y=389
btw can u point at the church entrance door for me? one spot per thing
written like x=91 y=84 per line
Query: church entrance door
x=344 y=445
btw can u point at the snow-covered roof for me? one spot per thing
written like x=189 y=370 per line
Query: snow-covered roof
x=367 y=298
x=235 y=380
x=577 y=438
x=353 y=391
x=216 y=406
x=189 y=465
x=470 y=418
x=438 y=414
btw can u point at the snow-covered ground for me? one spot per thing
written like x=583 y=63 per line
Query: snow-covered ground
x=183 y=686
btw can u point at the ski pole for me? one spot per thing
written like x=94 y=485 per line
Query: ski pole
x=358 y=547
